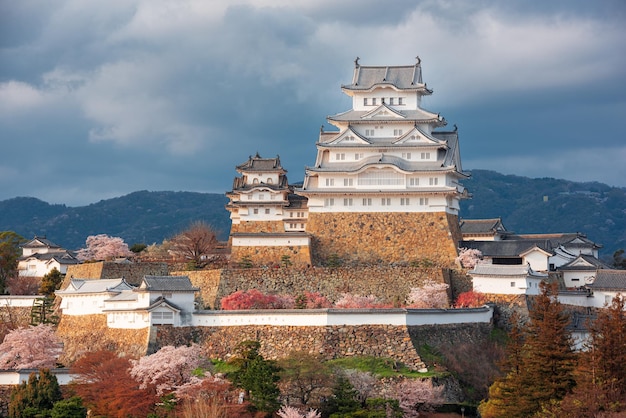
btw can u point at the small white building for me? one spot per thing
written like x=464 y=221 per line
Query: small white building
x=606 y=285
x=506 y=279
x=40 y=256
x=157 y=300
x=581 y=271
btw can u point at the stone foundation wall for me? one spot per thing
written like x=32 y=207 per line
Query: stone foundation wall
x=208 y=281
x=258 y=226
x=86 y=333
x=390 y=284
x=278 y=342
x=272 y=256
x=374 y=238
x=132 y=272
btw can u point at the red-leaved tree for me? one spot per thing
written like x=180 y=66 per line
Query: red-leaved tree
x=103 y=247
x=30 y=348
x=254 y=299
x=168 y=368
x=431 y=295
x=471 y=299
x=103 y=381
x=315 y=300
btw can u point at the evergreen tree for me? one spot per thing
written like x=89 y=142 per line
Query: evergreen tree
x=51 y=282
x=344 y=399
x=257 y=376
x=35 y=397
x=549 y=360
x=540 y=362
x=69 y=408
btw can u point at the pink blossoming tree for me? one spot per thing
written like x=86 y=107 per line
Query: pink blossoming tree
x=30 y=348
x=431 y=295
x=469 y=257
x=103 y=247
x=168 y=368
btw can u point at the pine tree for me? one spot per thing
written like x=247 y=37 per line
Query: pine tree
x=257 y=376
x=36 y=396
x=540 y=362
x=549 y=360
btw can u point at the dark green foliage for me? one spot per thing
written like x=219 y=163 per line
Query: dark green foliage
x=344 y=399
x=619 y=261
x=257 y=376
x=51 y=282
x=42 y=312
x=138 y=247
x=35 y=397
x=10 y=251
x=540 y=363
x=69 y=408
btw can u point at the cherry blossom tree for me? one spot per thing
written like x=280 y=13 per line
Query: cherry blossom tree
x=417 y=395
x=350 y=301
x=469 y=257
x=103 y=247
x=431 y=295
x=30 y=348
x=167 y=368
x=291 y=412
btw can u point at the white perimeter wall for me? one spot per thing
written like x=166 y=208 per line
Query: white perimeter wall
x=326 y=317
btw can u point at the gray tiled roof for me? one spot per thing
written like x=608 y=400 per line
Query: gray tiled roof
x=257 y=163
x=484 y=269
x=95 y=286
x=481 y=226
x=609 y=280
x=40 y=242
x=402 y=77
x=505 y=248
x=594 y=264
x=417 y=115
x=401 y=163
x=167 y=284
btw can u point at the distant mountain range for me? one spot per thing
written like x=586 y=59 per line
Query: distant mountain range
x=525 y=205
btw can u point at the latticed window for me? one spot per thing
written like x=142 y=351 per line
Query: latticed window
x=381 y=177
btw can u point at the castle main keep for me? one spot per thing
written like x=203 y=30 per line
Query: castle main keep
x=385 y=186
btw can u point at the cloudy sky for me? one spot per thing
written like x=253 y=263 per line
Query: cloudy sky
x=102 y=98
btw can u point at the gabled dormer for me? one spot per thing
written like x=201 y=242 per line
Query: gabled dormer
x=416 y=136
x=349 y=137
x=383 y=112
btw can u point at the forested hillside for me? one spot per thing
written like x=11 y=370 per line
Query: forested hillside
x=525 y=205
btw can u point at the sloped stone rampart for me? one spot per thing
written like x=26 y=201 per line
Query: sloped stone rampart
x=278 y=342
x=133 y=272
x=391 y=284
x=395 y=237
x=299 y=255
x=86 y=333
x=208 y=281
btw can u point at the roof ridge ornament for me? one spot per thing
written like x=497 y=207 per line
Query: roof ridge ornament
x=356 y=62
